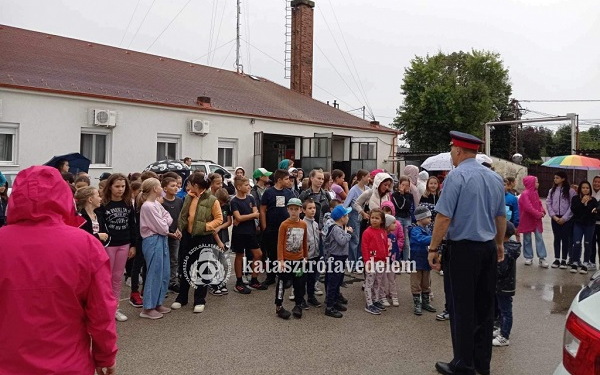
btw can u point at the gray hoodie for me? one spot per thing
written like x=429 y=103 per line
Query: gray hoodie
x=314 y=237
x=337 y=242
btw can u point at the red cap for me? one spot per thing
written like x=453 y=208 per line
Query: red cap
x=464 y=140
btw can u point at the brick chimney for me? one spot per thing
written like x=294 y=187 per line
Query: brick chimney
x=302 y=46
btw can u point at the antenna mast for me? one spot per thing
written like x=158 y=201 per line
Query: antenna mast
x=239 y=67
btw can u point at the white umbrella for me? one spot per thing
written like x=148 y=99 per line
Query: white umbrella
x=443 y=162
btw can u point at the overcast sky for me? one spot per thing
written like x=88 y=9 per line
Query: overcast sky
x=549 y=46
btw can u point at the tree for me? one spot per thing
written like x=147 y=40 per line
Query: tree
x=460 y=91
x=590 y=139
x=561 y=142
x=533 y=141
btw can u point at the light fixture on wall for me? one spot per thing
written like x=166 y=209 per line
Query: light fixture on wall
x=252 y=121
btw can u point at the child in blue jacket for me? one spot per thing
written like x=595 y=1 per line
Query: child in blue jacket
x=420 y=281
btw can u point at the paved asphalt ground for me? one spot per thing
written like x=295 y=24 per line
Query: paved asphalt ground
x=240 y=334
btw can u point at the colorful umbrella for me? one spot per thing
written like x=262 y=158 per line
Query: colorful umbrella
x=573 y=162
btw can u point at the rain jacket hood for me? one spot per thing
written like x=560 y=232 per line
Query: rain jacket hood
x=390 y=205
x=40 y=195
x=242 y=168
x=376 y=200
x=530 y=208
x=55 y=284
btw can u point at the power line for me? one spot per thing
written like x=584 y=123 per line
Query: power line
x=140 y=26
x=338 y=73
x=219 y=29
x=280 y=63
x=212 y=27
x=129 y=24
x=351 y=60
x=561 y=101
x=345 y=61
x=209 y=52
x=165 y=29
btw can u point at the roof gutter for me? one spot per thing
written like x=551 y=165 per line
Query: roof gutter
x=194 y=108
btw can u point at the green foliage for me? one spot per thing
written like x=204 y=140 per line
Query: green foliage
x=460 y=91
x=561 y=142
x=533 y=141
x=590 y=139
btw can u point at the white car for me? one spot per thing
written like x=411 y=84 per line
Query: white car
x=581 y=341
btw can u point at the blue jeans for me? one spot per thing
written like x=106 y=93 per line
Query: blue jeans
x=354 y=253
x=156 y=254
x=506 y=318
x=540 y=248
x=582 y=231
x=405 y=221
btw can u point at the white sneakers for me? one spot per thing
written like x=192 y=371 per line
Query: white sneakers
x=318 y=291
x=385 y=302
x=198 y=309
x=175 y=306
x=120 y=317
x=543 y=263
x=528 y=262
x=500 y=341
x=395 y=301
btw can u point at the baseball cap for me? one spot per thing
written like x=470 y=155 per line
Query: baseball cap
x=261 y=172
x=375 y=172
x=104 y=176
x=339 y=211
x=294 y=202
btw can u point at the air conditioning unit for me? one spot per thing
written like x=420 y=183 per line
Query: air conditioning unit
x=200 y=127
x=103 y=117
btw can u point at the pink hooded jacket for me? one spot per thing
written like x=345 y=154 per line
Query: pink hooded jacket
x=55 y=285
x=412 y=172
x=530 y=208
x=399 y=229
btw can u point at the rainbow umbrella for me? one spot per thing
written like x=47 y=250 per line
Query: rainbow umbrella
x=573 y=162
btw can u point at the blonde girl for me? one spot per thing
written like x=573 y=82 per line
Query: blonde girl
x=88 y=201
x=154 y=228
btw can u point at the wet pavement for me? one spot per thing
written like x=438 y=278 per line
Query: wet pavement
x=240 y=334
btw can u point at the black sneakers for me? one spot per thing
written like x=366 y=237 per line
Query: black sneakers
x=342 y=300
x=297 y=311
x=314 y=302
x=333 y=313
x=283 y=313
x=340 y=307
x=556 y=263
x=242 y=289
x=258 y=286
x=304 y=305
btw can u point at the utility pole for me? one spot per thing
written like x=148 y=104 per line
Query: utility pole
x=239 y=68
x=363 y=109
x=514 y=129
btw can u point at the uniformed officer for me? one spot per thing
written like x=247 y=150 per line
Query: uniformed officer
x=471 y=214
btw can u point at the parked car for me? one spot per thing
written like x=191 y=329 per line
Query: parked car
x=209 y=166
x=581 y=340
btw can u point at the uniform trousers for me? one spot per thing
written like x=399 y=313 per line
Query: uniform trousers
x=470 y=283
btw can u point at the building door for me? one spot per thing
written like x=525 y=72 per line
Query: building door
x=258 y=150
x=316 y=152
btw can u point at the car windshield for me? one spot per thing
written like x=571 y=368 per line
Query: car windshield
x=198 y=167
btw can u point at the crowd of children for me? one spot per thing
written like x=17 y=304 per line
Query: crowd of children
x=148 y=223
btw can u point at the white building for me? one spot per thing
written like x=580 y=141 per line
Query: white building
x=125 y=109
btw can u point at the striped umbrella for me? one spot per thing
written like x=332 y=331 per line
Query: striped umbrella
x=573 y=162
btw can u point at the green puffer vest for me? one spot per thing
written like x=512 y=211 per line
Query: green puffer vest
x=203 y=214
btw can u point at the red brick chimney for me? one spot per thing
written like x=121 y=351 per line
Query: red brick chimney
x=302 y=46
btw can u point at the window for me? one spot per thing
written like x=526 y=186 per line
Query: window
x=364 y=151
x=227 y=154
x=8 y=144
x=95 y=145
x=168 y=146
x=315 y=147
